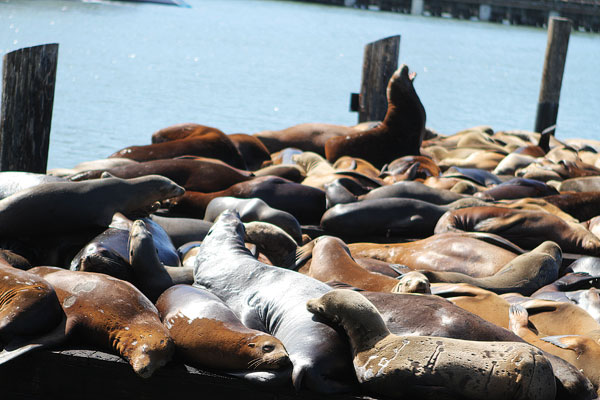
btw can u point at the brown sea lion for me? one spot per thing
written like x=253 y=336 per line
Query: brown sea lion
x=213 y=144
x=400 y=133
x=253 y=151
x=68 y=206
x=477 y=256
x=199 y=174
x=432 y=367
x=410 y=168
x=524 y=228
x=29 y=310
x=580 y=350
x=208 y=334
x=107 y=312
x=306 y=137
x=518 y=188
x=331 y=261
x=581 y=205
x=182 y=131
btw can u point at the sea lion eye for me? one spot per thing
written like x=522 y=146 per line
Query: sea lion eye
x=252 y=345
x=267 y=348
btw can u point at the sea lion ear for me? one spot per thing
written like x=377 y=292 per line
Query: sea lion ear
x=568 y=342
x=107 y=174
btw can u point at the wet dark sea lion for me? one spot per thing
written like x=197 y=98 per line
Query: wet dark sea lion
x=429 y=367
x=67 y=206
x=272 y=300
x=400 y=133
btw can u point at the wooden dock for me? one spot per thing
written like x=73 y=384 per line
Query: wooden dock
x=584 y=14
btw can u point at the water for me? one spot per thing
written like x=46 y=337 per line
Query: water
x=127 y=69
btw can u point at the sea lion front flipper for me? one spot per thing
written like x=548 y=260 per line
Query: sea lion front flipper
x=20 y=345
x=518 y=318
x=446 y=290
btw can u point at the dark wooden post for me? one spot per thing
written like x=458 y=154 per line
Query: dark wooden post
x=559 y=30
x=28 y=82
x=380 y=61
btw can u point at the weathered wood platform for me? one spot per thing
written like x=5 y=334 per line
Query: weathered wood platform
x=90 y=374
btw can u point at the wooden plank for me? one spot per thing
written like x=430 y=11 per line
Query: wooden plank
x=559 y=30
x=379 y=63
x=29 y=77
x=90 y=374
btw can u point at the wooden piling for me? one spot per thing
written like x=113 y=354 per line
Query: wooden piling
x=559 y=30
x=380 y=60
x=28 y=82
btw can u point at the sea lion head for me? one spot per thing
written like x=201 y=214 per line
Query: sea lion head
x=413 y=282
x=340 y=305
x=148 y=351
x=265 y=352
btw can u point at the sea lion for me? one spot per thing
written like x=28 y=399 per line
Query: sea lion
x=331 y=261
x=582 y=184
x=518 y=188
x=511 y=163
x=253 y=151
x=213 y=144
x=29 y=309
x=382 y=217
x=103 y=164
x=111 y=313
x=581 y=205
x=273 y=300
x=306 y=137
x=581 y=351
x=12 y=182
x=410 y=167
x=107 y=253
x=400 y=133
x=465 y=252
x=428 y=367
x=183 y=230
x=59 y=207
x=182 y=131
x=522 y=227
x=524 y=274
x=305 y=203
x=254 y=210
x=208 y=334
x=199 y=174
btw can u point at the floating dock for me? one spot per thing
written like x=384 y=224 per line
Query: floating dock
x=584 y=14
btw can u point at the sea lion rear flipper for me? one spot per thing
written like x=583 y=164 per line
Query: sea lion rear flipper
x=268 y=378
x=569 y=342
x=20 y=345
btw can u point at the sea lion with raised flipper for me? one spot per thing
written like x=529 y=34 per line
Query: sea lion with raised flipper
x=213 y=144
x=272 y=300
x=208 y=334
x=199 y=174
x=400 y=133
x=474 y=254
x=522 y=227
x=254 y=210
x=432 y=367
x=68 y=206
x=111 y=313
